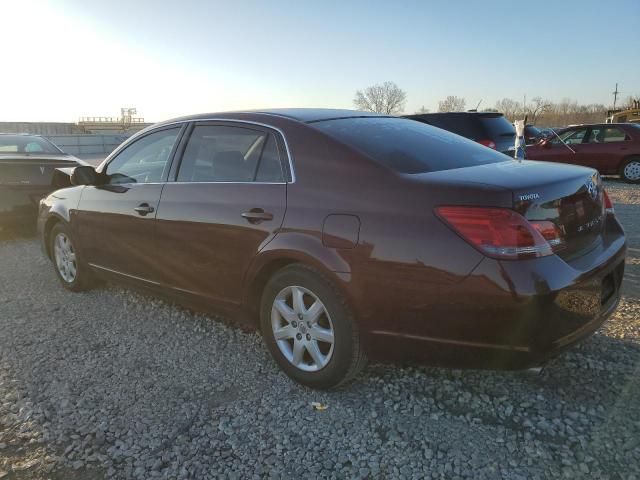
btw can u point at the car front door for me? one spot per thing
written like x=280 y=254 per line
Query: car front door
x=564 y=148
x=227 y=202
x=115 y=220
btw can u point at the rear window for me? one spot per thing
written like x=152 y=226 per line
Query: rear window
x=26 y=144
x=498 y=126
x=407 y=146
x=531 y=130
x=464 y=125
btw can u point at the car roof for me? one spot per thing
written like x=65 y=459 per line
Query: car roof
x=308 y=115
x=305 y=115
x=455 y=114
x=20 y=134
x=587 y=125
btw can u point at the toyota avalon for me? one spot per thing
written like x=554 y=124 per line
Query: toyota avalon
x=348 y=235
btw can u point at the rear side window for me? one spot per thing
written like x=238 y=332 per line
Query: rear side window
x=217 y=153
x=270 y=166
x=407 y=146
x=606 y=135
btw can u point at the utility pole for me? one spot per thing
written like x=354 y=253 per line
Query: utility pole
x=615 y=96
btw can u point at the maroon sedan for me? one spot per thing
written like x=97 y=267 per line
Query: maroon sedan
x=348 y=235
x=610 y=148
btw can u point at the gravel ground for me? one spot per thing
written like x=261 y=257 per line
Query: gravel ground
x=114 y=384
x=626 y=199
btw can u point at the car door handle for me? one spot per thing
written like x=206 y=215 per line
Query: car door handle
x=257 y=215
x=144 y=209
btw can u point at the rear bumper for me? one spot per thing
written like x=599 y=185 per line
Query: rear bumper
x=19 y=204
x=514 y=315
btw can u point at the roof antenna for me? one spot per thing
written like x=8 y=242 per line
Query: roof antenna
x=478 y=105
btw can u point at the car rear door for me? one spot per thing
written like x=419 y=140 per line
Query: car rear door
x=605 y=148
x=116 y=221
x=227 y=202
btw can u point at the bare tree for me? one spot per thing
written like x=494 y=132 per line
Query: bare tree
x=538 y=108
x=422 y=110
x=544 y=113
x=385 y=98
x=630 y=102
x=452 y=104
x=511 y=108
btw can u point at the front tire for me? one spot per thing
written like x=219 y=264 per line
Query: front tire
x=630 y=170
x=309 y=330
x=73 y=274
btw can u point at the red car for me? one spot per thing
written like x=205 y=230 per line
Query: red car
x=610 y=148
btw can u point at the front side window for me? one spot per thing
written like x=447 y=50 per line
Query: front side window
x=218 y=153
x=144 y=161
x=606 y=135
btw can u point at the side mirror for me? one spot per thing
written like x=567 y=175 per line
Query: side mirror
x=84 y=175
x=546 y=143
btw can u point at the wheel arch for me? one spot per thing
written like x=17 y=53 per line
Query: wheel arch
x=625 y=159
x=267 y=263
x=51 y=222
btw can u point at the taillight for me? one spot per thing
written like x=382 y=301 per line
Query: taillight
x=608 y=204
x=550 y=232
x=497 y=232
x=488 y=143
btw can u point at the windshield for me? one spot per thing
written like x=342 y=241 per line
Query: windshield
x=407 y=146
x=27 y=144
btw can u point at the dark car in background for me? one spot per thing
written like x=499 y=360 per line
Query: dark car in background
x=490 y=129
x=27 y=167
x=348 y=235
x=610 y=148
x=531 y=134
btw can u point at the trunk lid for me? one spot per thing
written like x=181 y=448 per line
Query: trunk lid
x=570 y=197
x=31 y=170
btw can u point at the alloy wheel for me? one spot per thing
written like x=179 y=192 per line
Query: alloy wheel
x=65 y=258
x=632 y=170
x=302 y=328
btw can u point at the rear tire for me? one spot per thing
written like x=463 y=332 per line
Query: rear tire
x=72 y=272
x=630 y=170
x=317 y=342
